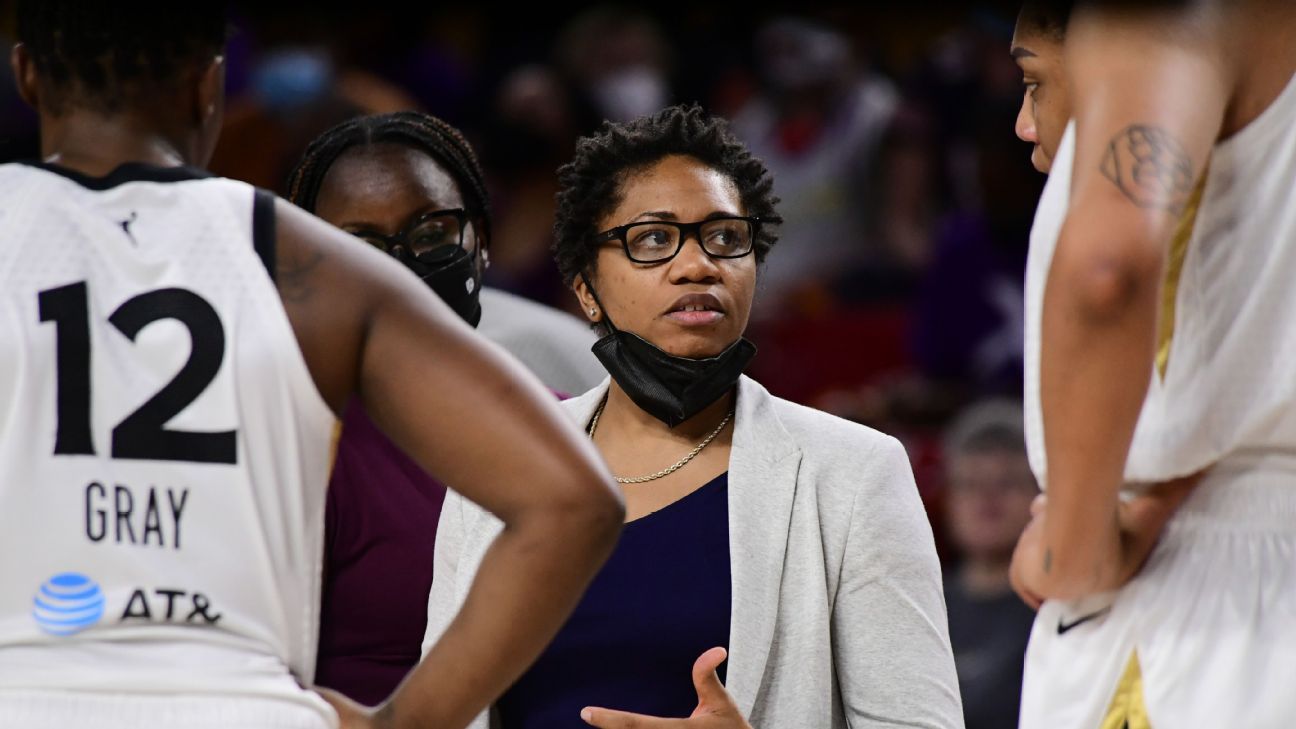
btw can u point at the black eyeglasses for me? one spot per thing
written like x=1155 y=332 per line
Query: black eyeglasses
x=657 y=241
x=427 y=232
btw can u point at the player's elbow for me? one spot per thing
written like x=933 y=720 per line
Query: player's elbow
x=602 y=513
x=591 y=511
x=1105 y=279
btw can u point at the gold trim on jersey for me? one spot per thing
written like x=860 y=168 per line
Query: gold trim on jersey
x=1174 y=269
x=1127 y=710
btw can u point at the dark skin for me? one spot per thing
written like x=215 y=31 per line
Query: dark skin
x=367 y=328
x=640 y=298
x=1046 y=102
x=643 y=299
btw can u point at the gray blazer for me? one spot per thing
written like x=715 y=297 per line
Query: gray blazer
x=838 y=619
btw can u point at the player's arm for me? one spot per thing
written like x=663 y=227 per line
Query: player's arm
x=1150 y=91
x=475 y=419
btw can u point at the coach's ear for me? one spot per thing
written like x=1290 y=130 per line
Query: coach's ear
x=24 y=71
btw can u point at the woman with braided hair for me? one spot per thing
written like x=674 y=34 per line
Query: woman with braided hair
x=410 y=185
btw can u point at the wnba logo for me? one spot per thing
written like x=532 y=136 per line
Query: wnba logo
x=68 y=603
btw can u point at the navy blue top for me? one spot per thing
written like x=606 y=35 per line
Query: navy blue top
x=661 y=600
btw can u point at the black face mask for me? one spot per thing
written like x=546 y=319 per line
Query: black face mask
x=451 y=272
x=669 y=388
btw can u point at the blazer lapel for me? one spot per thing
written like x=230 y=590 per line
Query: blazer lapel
x=762 y=484
x=581 y=408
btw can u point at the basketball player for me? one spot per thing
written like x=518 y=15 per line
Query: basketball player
x=1161 y=405
x=174 y=350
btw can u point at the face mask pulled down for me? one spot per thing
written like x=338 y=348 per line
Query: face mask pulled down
x=670 y=388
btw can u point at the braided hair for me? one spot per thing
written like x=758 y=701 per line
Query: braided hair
x=589 y=187
x=107 y=54
x=414 y=129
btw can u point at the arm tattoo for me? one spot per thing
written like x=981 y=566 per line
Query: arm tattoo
x=1048 y=560
x=1150 y=167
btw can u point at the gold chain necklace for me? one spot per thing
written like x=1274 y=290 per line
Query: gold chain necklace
x=669 y=469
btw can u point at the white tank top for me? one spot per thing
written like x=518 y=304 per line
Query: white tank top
x=1224 y=386
x=164 y=452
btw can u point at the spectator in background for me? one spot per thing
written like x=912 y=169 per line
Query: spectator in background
x=618 y=60
x=296 y=88
x=532 y=131
x=969 y=316
x=817 y=126
x=610 y=62
x=990 y=489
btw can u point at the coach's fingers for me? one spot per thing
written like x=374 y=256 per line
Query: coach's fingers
x=712 y=696
x=610 y=719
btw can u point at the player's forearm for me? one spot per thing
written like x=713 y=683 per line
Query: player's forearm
x=527 y=584
x=1099 y=324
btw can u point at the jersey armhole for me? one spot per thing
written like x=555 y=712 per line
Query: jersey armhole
x=263 y=229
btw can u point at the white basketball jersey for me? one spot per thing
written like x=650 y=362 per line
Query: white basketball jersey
x=1224 y=386
x=164 y=452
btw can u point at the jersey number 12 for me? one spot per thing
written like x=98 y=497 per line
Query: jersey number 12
x=141 y=435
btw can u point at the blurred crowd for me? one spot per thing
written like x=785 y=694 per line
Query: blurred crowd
x=894 y=296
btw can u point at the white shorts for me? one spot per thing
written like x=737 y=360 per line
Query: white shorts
x=28 y=709
x=1204 y=636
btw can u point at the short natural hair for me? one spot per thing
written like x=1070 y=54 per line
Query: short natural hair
x=590 y=186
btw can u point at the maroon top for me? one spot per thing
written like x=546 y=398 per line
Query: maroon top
x=379 y=531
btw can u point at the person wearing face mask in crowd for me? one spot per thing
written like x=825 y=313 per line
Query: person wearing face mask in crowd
x=818 y=123
x=619 y=62
x=788 y=539
x=410 y=185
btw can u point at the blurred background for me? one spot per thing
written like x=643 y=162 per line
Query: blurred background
x=894 y=296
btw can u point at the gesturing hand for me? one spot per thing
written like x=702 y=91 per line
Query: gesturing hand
x=715 y=709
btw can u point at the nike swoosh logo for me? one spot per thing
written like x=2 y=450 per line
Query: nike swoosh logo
x=1063 y=627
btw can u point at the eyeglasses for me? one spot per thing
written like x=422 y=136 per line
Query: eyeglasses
x=657 y=241
x=427 y=232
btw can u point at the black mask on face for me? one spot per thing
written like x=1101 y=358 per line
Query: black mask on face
x=669 y=388
x=451 y=272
